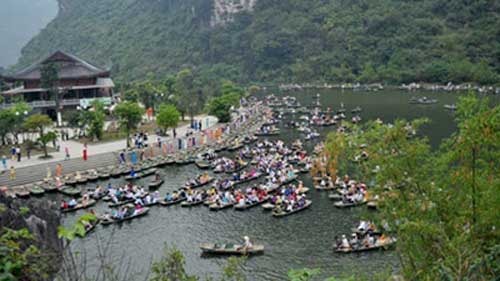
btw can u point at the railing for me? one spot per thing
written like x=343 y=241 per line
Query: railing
x=44 y=103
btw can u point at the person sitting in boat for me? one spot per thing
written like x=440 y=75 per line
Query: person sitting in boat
x=147 y=200
x=354 y=240
x=169 y=197
x=345 y=243
x=133 y=174
x=138 y=201
x=72 y=203
x=247 y=244
x=64 y=205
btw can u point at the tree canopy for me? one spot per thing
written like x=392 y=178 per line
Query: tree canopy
x=129 y=116
x=167 y=117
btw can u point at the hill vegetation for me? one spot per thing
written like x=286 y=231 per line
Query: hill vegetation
x=393 y=41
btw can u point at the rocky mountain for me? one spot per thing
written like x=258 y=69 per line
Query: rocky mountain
x=393 y=41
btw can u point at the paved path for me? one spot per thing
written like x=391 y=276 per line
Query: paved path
x=99 y=155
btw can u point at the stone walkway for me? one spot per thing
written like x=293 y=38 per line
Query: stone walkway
x=99 y=155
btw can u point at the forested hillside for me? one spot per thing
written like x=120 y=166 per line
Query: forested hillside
x=394 y=41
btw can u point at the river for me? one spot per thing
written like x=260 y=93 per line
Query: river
x=297 y=241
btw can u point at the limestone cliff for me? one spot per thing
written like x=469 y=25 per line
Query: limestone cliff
x=225 y=10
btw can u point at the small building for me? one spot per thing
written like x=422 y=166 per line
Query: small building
x=79 y=83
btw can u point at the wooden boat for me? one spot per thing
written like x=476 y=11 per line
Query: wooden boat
x=143 y=212
x=240 y=167
x=217 y=207
x=256 y=176
x=21 y=191
x=235 y=146
x=35 y=190
x=49 y=187
x=230 y=249
x=284 y=213
x=268 y=206
x=143 y=174
x=155 y=184
x=335 y=196
x=123 y=202
x=203 y=164
x=250 y=205
x=200 y=184
x=270 y=133
x=174 y=202
x=322 y=188
x=70 y=191
x=90 y=228
x=80 y=206
x=187 y=204
x=386 y=245
x=341 y=204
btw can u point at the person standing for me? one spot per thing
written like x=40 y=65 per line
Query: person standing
x=13 y=153
x=122 y=157
x=59 y=170
x=4 y=162
x=85 y=152
x=175 y=134
x=200 y=125
x=18 y=153
x=66 y=152
x=12 y=175
x=133 y=157
x=28 y=152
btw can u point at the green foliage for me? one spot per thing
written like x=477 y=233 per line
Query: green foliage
x=282 y=41
x=170 y=267
x=129 y=116
x=167 y=117
x=221 y=106
x=24 y=210
x=302 y=274
x=77 y=229
x=18 y=261
x=437 y=202
x=40 y=122
x=93 y=120
x=232 y=271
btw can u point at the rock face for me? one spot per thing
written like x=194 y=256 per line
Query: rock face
x=224 y=10
x=39 y=217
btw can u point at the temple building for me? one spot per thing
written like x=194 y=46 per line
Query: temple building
x=78 y=84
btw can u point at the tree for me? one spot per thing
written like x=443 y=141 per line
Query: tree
x=40 y=122
x=129 y=116
x=48 y=81
x=93 y=120
x=167 y=117
x=184 y=86
x=438 y=203
x=221 y=106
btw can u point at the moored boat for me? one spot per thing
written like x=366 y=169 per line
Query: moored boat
x=141 y=212
x=230 y=249
x=284 y=213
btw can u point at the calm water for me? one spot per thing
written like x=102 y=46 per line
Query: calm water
x=297 y=241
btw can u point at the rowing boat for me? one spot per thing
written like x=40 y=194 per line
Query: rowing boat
x=283 y=213
x=123 y=202
x=187 y=204
x=384 y=246
x=218 y=207
x=140 y=213
x=79 y=206
x=70 y=191
x=35 y=190
x=203 y=164
x=155 y=184
x=230 y=249
x=173 y=202
x=200 y=184
x=247 y=206
x=341 y=204
x=239 y=168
